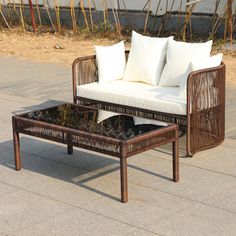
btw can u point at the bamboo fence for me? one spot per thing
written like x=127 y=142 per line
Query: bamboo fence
x=17 y=12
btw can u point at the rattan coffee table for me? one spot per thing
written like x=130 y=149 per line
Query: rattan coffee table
x=118 y=135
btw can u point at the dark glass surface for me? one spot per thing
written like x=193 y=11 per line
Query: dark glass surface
x=94 y=121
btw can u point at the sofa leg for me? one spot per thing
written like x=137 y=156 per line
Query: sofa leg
x=188 y=145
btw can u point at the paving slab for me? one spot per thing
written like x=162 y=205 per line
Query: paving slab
x=21 y=209
x=199 y=219
x=6 y=189
x=35 y=80
x=220 y=159
x=78 y=223
x=144 y=207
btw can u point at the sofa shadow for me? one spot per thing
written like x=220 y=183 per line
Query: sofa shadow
x=100 y=166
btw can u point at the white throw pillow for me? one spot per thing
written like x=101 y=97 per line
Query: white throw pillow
x=198 y=65
x=179 y=55
x=146 y=59
x=111 y=62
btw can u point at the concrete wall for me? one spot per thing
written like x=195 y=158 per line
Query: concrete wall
x=201 y=24
x=205 y=6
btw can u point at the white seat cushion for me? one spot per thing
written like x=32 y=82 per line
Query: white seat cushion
x=136 y=94
x=179 y=55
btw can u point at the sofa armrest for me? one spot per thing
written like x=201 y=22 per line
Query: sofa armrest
x=84 y=71
x=206 y=107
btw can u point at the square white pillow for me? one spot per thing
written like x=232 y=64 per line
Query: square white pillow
x=111 y=62
x=198 y=65
x=179 y=55
x=146 y=59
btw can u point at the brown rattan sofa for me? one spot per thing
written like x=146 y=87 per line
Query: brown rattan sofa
x=204 y=125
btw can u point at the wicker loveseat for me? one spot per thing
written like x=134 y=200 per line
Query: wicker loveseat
x=201 y=115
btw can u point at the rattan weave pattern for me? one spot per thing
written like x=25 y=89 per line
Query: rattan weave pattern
x=206 y=94
x=67 y=136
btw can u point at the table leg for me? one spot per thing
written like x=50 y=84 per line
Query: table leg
x=16 y=141
x=124 y=180
x=69 y=146
x=175 y=151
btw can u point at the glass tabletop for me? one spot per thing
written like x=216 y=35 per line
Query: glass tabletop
x=95 y=121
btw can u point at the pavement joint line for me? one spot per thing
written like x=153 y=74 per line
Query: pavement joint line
x=77 y=207
x=192 y=200
x=167 y=217
x=149 y=231
x=199 y=167
x=214 y=171
x=42 y=221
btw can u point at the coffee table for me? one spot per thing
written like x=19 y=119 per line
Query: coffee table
x=118 y=135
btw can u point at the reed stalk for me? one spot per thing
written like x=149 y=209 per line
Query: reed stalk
x=4 y=18
x=216 y=25
x=167 y=16
x=84 y=14
x=90 y=15
x=189 y=11
x=116 y=18
x=215 y=20
x=57 y=12
x=123 y=1
x=147 y=16
x=234 y=25
x=39 y=14
x=105 y=14
x=156 y=13
x=8 y=10
x=179 y=14
x=22 y=15
x=230 y=20
x=145 y=5
x=225 y=18
x=73 y=17
x=14 y=8
x=46 y=5
x=117 y=10
x=94 y=5
x=225 y=27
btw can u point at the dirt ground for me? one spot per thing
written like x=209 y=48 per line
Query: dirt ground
x=64 y=49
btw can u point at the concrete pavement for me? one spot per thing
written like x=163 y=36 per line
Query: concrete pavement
x=57 y=194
